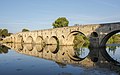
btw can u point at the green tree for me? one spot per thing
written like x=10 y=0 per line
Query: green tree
x=4 y=32
x=25 y=30
x=60 y=22
x=0 y=32
x=80 y=40
x=114 y=39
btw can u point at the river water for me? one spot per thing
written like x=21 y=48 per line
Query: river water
x=31 y=59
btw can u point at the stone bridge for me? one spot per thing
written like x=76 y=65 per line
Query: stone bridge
x=98 y=34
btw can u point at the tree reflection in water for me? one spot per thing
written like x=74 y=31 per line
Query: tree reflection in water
x=3 y=49
x=81 y=49
x=113 y=50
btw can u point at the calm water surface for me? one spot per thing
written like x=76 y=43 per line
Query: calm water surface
x=28 y=59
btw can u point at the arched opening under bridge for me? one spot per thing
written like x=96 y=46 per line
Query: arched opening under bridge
x=111 y=44
x=80 y=43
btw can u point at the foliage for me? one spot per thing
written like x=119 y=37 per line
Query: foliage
x=3 y=49
x=114 y=39
x=110 y=41
x=112 y=49
x=80 y=41
x=0 y=32
x=60 y=22
x=25 y=30
x=80 y=38
x=4 y=33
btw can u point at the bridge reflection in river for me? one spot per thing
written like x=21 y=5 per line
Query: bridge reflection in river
x=63 y=55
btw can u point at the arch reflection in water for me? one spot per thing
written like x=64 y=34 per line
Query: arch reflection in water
x=81 y=49
x=107 y=55
x=110 y=51
x=67 y=55
x=82 y=52
x=29 y=46
x=39 y=48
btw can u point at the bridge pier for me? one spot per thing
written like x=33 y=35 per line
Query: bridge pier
x=94 y=42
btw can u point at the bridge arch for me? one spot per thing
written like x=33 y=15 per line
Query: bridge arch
x=103 y=47
x=39 y=40
x=53 y=41
x=29 y=40
x=71 y=35
x=106 y=37
x=19 y=47
x=29 y=47
x=20 y=39
x=72 y=55
x=52 y=48
x=39 y=48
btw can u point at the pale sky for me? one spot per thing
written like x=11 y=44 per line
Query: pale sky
x=40 y=14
